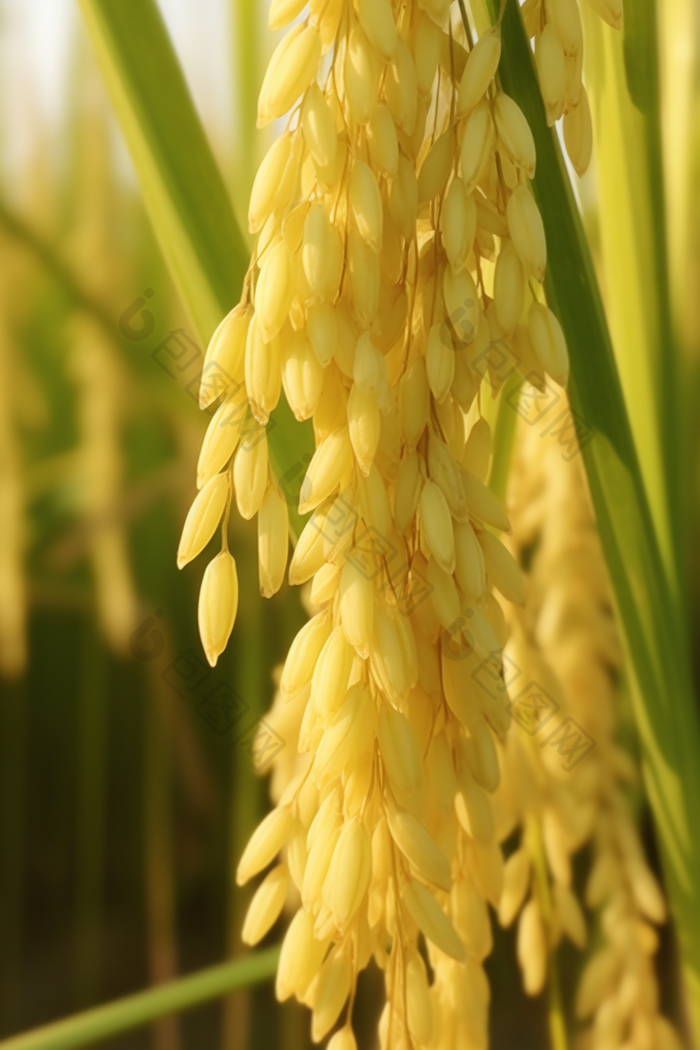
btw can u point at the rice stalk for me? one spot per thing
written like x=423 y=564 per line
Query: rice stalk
x=13 y=773
x=133 y=1011
x=90 y=796
x=246 y=62
x=158 y=854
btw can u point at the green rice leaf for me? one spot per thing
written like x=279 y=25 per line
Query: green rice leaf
x=182 y=188
x=653 y=630
x=181 y=185
x=503 y=421
x=622 y=80
x=104 y=1022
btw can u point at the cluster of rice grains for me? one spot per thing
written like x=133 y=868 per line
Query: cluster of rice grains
x=555 y=26
x=565 y=640
x=400 y=255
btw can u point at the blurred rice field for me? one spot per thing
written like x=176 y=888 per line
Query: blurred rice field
x=124 y=800
x=122 y=808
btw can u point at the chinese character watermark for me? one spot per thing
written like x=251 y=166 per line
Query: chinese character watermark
x=533 y=708
x=370 y=553
x=181 y=359
x=532 y=401
x=217 y=703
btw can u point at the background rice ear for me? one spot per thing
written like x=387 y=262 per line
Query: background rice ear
x=629 y=515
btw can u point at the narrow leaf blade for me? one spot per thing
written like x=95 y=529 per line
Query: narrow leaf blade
x=183 y=190
x=654 y=634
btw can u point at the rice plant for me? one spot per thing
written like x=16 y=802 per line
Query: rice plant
x=412 y=392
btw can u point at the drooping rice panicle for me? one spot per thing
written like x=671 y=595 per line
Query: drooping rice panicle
x=565 y=641
x=399 y=262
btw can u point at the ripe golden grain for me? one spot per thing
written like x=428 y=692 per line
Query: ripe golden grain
x=372 y=301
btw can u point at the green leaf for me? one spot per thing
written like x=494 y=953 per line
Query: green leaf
x=622 y=81
x=182 y=188
x=503 y=421
x=653 y=630
x=181 y=185
x=106 y=1021
x=291 y=448
x=639 y=44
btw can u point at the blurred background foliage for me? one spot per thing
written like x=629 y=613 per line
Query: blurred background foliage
x=123 y=809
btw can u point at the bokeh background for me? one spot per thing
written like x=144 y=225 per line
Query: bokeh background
x=124 y=803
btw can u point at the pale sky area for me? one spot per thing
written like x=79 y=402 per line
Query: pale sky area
x=39 y=41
